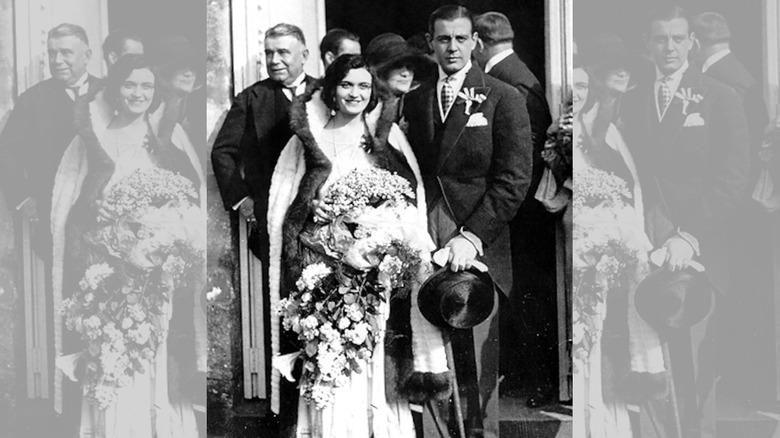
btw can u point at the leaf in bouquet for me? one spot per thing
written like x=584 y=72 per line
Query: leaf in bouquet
x=331 y=306
x=354 y=366
x=94 y=349
x=138 y=367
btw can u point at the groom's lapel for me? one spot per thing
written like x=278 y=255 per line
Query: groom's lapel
x=457 y=117
x=674 y=119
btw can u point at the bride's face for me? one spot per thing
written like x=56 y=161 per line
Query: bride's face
x=354 y=91
x=137 y=91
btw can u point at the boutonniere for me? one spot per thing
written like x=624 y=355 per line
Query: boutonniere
x=470 y=96
x=687 y=96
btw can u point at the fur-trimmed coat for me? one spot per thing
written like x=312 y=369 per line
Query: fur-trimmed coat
x=80 y=181
x=302 y=169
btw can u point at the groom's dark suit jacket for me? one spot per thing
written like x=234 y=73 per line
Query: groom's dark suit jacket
x=245 y=152
x=698 y=171
x=481 y=172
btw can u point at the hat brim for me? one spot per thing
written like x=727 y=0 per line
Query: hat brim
x=674 y=300
x=451 y=307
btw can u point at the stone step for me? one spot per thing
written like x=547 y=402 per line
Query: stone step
x=519 y=421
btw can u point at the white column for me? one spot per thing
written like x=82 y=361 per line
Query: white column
x=558 y=49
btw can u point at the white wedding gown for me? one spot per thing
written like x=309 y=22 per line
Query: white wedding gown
x=600 y=413
x=142 y=409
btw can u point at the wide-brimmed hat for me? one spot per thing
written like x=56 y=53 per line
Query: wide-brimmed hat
x=389 y=50
x=608 y=52
x=458 y=300
x=173 y=52
x=671 y=300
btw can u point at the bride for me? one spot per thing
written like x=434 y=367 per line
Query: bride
x=610 y=340
x=128 y=237
x=312 y=232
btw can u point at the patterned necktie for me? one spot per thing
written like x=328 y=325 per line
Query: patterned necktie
x=664 y=94
x=447 y=95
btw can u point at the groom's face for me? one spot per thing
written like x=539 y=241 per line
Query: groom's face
x=669 y=42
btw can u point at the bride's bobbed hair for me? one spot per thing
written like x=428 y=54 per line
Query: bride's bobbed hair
x=337 y=71
x=120 y=71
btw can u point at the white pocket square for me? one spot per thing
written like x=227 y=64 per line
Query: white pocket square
x=477 y=119
x=694 y=119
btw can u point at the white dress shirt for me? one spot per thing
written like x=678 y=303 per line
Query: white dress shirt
x=498 y=57
x=456 y=82
x=715 y=57
x=82 y=87
x=674 y=83
x=298 y=85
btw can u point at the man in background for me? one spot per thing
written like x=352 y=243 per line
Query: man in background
x=245 y=152
x=39 y=129
x=121 y=42
x=336 y=43
x=533 y=228
x=743 y=369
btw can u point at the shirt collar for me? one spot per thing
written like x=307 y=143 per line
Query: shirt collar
x=715 y=57
x=457 y=75
x=498 y=57
x=297 y=82
x=80 y=83
x=676 y=76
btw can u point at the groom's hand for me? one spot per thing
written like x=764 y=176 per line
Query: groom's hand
x=462 y=253
x=679 y=253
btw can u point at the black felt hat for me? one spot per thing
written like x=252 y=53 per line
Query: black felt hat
x=389 y=50
x=671 y=300
x=458 y=300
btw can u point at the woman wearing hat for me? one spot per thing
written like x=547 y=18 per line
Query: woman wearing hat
x=399 y=68
x=609 y=261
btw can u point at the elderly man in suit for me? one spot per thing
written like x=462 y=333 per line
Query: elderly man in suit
x=689 y=138
x=472 y=137
x=533 y=228
x=39 y=129
x=245 y=152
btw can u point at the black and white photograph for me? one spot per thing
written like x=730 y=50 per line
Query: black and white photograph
x=676 y=256
x=388 y=206
x=102 y=249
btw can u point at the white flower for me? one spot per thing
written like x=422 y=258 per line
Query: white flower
x=312 y=275
x=213 y=293
x=95 y=275
x=354 y=312
x=471 y=97
x=344 y=322
x=358 y=334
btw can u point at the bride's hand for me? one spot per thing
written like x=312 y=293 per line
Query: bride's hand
x=322 y=211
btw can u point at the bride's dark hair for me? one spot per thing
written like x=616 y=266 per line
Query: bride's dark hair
x=337 y=71
x=118 y=74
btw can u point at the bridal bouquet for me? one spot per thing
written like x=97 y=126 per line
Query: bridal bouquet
x=122 y=304
x=606 y=251
x=371 y=252
x=367 y=187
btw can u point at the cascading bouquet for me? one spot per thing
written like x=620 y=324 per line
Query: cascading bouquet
x=139 y=259
x=340 y=303
x=606 y=252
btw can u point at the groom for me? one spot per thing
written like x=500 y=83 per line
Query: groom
x=472 y=137
x=689 y=138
